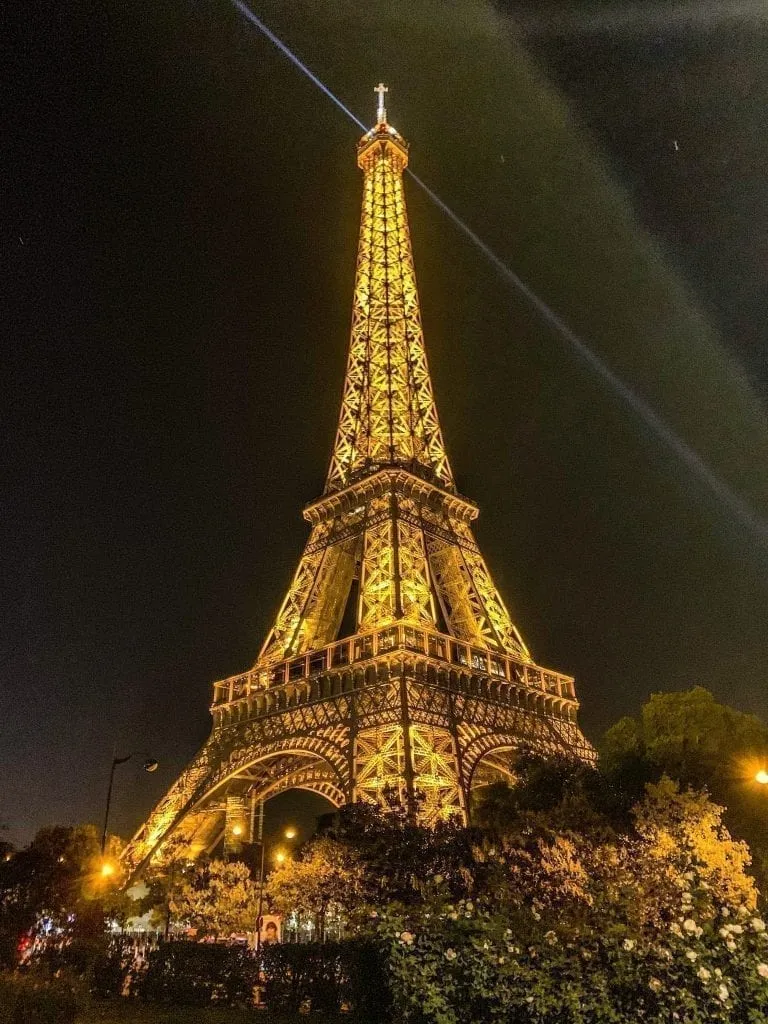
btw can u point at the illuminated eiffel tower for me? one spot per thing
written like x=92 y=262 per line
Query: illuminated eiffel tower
x=434 y=690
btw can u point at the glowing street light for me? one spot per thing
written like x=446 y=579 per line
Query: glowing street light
x=107 y=869
x=237 y=830
x=762 y=777
x=290 y=832
x=280 y=856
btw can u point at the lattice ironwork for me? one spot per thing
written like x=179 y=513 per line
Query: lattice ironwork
x=435 y=690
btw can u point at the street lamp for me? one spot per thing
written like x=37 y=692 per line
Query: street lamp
x=289 y=833
x=150 y=765
x=762 y=777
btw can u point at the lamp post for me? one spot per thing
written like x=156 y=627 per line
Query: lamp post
x=280 y=856
x=150 y=765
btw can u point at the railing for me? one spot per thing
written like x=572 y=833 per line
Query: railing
x=398 y=637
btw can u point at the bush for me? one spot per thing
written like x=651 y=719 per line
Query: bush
x=195 y=974
x=326 y=976
x=30 y=1000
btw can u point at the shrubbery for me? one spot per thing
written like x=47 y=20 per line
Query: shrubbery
x=28 y=999
x=194 y=974
x=327 y=976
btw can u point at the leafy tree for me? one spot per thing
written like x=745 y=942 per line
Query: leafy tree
x=56 y=882
x=691 y=737
x=217 y=898
x=328 y=876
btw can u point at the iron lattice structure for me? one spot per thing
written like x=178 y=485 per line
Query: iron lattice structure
x=435 y=688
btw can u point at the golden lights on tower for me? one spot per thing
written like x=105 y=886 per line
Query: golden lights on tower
x=434 y=688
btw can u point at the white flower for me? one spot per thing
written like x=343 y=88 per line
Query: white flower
x=689 y=925
x=692 y=956
x=762 y=970
x=725 y=931
x=687 y=898
x=758 y=924
x=718 y=973
x=629 y=944
x=737 y=929
x=704 y=974
x=470 y=905
x=654 y=985
x=502 y=960
x=450 y=954
x=730 y=945
x=486 y=946
x=513 y=949
x=437 y=879
x=550 y=937
x=725 y=912
x=453 y=916
x=507 y=933
x=586 y=954
x=529 y=999
x=675 y=928
x=689 y=875
x=743 y=912
x=407 y=938
x=536 y=915
x=723 y=993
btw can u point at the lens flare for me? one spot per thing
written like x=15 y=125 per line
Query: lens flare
x=740 y=509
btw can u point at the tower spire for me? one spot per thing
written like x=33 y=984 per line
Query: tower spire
x=381 y=113
x=388 y=414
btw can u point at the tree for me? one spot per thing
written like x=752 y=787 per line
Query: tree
x=219 y=898
x=692 y=738
x=57 y=883
x=327 y=876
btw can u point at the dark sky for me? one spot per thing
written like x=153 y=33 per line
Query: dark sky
x=179 y=215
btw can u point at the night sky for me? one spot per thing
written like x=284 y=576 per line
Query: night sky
x=179 y=226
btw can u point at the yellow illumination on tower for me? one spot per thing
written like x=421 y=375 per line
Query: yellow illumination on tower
x=434 y=688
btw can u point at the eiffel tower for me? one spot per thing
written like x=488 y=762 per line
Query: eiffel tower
x=434 y=690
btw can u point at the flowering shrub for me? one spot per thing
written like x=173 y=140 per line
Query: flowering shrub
x=451 y=965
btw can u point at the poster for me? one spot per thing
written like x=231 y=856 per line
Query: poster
x=271 y=930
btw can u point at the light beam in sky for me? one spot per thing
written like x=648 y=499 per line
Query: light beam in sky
x=740 y=509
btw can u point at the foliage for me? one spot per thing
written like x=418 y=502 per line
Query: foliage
x=55 y=884
x=325 y=976
x=567 y=929
x=327 y=876
x=694 y=739
x=195 y=974
x=218 y=898
x=32 y=1000
x=164 y=882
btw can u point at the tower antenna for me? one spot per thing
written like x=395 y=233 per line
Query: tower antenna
x=381 y=113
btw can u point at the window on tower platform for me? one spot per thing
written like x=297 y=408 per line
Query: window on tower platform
x=363 y=647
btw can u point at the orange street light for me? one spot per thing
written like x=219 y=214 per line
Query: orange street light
x=107 y=869
x=290 y=832
x=762 y=777
x=237 y=830
x=280 y=856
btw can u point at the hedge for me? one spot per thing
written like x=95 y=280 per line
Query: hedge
x=28 y=999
